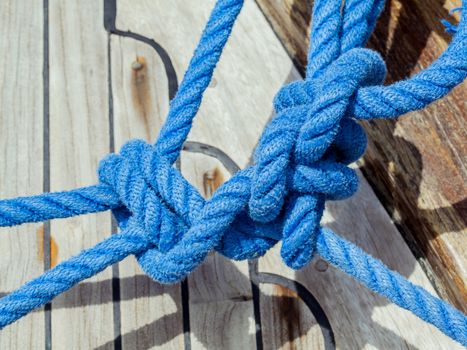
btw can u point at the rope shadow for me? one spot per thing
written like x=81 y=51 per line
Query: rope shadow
x=152 y=332
x=418 y=226
x=402 y=45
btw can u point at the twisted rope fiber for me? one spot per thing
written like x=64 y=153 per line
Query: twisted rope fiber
x=300 y=162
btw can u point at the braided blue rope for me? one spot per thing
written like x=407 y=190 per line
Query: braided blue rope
x=300 y=162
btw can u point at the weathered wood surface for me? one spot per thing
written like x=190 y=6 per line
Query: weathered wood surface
x=106 y=88
x=220 y=294
x=79 y=138
x=415 y=164
x=21 y=160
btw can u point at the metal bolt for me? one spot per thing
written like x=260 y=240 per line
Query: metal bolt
x=136 y=65
x=321 y=265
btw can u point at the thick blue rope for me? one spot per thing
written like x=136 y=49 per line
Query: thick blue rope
x=300 y=162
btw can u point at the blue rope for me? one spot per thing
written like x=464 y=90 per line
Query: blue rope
x=300 y=162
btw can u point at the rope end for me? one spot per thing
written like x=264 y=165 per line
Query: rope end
x=449 y=27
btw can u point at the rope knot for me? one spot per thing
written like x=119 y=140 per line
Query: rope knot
x=302 y=157
x=177 y=226
x=133 y=176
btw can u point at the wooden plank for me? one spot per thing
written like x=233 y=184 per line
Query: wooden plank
x=246 y=112
x=151 y=313
x=417 y=163
x=359 y=318
x=221 y=299
x=79 y=138
x=21 y=162
x=286 y=322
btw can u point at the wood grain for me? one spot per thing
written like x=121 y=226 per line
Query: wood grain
x=151 y=313
x=221 y=300
x=417 y=163
x=359 y=318
x=286 y=322
x=21 y=156
x=79 y=138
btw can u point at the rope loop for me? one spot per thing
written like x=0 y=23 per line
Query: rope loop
x=312 y=139
x=131 y=175
x=180 y=228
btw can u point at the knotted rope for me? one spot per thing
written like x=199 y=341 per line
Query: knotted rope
x=300 y=162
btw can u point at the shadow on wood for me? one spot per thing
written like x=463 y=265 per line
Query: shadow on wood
x=399 y=185
x=409 y=35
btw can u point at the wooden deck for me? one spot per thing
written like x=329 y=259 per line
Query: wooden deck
x=79 y=78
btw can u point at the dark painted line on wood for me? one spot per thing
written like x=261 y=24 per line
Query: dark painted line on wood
x=252 y=270
x=185 y=293
x=116 y=293
x=304 y=294
x=46 y=165
x=198 y=147
x=110 y=16
x=168 y=66
x=186 y=313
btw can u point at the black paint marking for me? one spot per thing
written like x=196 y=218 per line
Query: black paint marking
x=185 y=293
x=304 y=294
x=252 y=271
x=186 y=313
x=110 y=16
x=46 y=165
x=116 y=294
x=214 y=152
